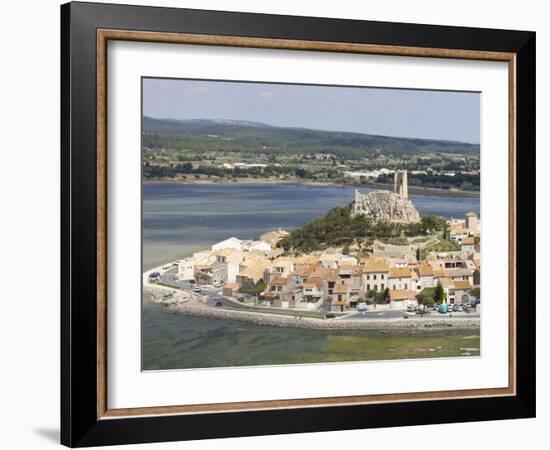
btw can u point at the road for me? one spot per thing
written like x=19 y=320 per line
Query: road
x=397 y=314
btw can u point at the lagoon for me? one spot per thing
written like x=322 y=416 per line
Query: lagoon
x=179 y=219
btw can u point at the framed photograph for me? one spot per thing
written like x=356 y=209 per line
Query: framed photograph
x=276 y=224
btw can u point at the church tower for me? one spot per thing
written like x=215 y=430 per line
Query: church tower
x=401 y=186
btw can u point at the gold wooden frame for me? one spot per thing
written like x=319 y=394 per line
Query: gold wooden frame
x=103 y=36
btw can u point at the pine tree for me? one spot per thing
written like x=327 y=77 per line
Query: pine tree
x=439 y=293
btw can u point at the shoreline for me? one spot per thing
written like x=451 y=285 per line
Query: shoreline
x=196 y=309
x=414 y=190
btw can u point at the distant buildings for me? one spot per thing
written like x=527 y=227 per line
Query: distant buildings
x=368 y=174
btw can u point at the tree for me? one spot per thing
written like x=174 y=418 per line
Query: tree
x=475 y=292
x=425 y=299
x=387 y=295
x=260 y=286
x=428 y=301
x=371 y=294
x=446 y=231
x=418 y=253
x=439 y=293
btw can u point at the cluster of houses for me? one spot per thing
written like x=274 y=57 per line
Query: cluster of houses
x=339 y=282
x=465 y=231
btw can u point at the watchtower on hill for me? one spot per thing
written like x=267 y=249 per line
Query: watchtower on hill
x=401 y=186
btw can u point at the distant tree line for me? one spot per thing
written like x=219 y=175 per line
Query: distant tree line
x=187 y=168
x=464 y=181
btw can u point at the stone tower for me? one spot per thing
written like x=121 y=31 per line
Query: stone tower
x=401 y=186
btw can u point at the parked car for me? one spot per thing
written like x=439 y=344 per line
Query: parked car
x=191 y=281
x=455 y=308
x=197 y=289
x=154 y=276
x=218 y=304
x=217 y=285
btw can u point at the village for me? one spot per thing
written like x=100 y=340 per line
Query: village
x=389 y=278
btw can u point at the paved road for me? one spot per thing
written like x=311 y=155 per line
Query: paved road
x=398 y=314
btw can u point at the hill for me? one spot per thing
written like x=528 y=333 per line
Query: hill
x=340 y=229
x=243 y=136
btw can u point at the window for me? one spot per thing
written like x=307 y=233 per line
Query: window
x=368 y=287
x=368 y=277
x=382 y=287
x=406 y=286
x=382 y=276
x=374 y=277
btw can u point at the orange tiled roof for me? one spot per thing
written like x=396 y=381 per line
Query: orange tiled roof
x=462 y=284
x=279 y=281
x=402 y=294
x=340 y=289
x=400 y=272
x=425 y=270
x=374 y=265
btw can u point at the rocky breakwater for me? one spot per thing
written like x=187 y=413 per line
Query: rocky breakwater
x=198 y=309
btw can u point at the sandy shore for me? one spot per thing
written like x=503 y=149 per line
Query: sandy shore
x=197 y=309
x=415 y=190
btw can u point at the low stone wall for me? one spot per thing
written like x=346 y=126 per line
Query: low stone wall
x=196 y=309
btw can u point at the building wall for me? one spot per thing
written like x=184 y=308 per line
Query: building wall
x=378 y=284
x=400 y=283
x=186 y=270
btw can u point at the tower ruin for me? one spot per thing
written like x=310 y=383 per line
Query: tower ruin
x=401 y=186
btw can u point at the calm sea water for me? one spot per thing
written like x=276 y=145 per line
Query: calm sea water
x=179 y=219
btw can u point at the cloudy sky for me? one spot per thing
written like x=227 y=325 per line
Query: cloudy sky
x=392 y=112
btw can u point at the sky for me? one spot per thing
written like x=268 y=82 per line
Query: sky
x=391 y=112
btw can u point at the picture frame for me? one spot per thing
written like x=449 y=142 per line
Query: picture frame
x=86 y=418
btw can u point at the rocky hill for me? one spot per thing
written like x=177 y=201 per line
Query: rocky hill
x=384 y=206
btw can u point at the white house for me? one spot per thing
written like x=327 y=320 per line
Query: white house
x=375 y=274
x=401 y=299
x=259 y=246
x=282 y=266
x=231 y=242
x=400 y=279
x=425 y=277
x=468 y=244
x=314 y=289
x=226 y=267
x=471 y=223
x=186 y=269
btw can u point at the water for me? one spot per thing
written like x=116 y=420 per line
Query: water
x=174 y=341
x=179 y=219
